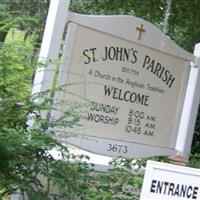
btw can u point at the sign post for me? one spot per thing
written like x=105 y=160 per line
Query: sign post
x=50 y=47
x=190 y=107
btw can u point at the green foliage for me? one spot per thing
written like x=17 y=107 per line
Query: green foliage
x=16 y=71
x=25 y=152
x=184 y=23
x=195 y=152
x=116 y=184
x=26 y=164
x=25 y=158
x=24 y=14
x=183 y=20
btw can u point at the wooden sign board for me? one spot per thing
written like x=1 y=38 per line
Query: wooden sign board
x=170 y=182
x=129 y=80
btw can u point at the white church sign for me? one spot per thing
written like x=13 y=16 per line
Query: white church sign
x=170 y=182
x=130 y=82
x=133 y=79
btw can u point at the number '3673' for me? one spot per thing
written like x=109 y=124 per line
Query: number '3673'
x=117 y=148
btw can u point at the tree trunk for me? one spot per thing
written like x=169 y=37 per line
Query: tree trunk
x=3 y=36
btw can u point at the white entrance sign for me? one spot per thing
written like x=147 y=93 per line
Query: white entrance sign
x=130 y=80
x=170 y=182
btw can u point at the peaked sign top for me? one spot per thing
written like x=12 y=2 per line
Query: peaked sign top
x=133 y=29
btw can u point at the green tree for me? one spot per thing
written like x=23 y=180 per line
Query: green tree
x=26 y=15
x=24 y=152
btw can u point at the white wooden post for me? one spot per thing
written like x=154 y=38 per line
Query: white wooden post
x=51 y=43
x=190 y=108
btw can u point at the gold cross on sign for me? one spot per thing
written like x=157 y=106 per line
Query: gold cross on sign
x=141 y=30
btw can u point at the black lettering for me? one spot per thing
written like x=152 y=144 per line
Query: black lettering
x=142 y=99
x=125 y=95
x=134 y=60
x=161 y=73
x=165 y=184
x=90 y=116
x=111 y=53
x=171 y=189
x=119 y=53
x=189 y=191
x=90 y=55
x=146 y=61
x=159 y=187
x=93 y=106
x=126 y=55
x=87 y=56
x=120 y=95
x=153 y=186
x=166 y=75
x=106 y=54
x=195 y=191
x=104 y=119
x=177 y=190
x=151 y=66
x=157 y=69
x=115 y=92
x=108 y=90
x=170 y=81
x=133 y=97
x=183 y=190
x=93 y=54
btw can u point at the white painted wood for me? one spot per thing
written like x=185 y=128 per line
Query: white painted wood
x=16 y=197
x=67 y=52
x=123 y=26
x=51 y=43
x=101 y=146
x=190 y=109
x=49 y=51
x=165 y=106
x=65 y=63
x=171 y=181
